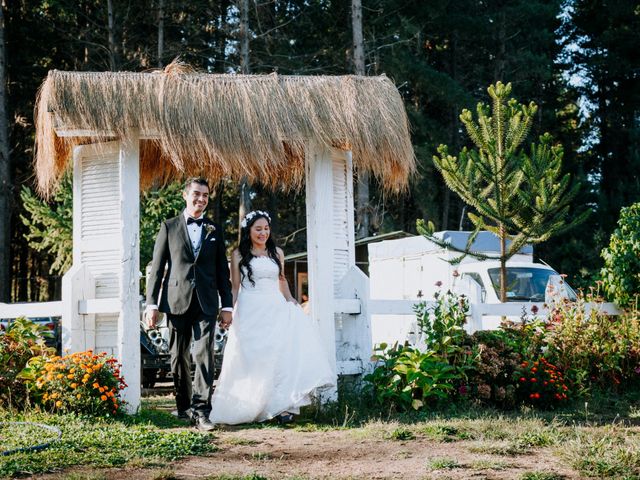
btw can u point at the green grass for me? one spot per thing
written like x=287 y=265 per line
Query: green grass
x=541 y=476
x=95 y=442
x=443 y=463
x=401 y=434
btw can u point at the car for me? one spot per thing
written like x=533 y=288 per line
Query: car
x=52 y=330
x=155 y=355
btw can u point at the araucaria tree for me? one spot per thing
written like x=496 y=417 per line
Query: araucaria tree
x=522 y=197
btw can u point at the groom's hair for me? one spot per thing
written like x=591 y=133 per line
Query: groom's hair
x=198 y=180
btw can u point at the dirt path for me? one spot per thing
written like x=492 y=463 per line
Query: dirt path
x=347 y=454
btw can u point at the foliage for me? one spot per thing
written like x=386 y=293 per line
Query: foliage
x=540 y=383
x=593 y=348
x=408 y=378
x=157 y=205
x=95 y=441
x=442 y=325
x=621 y=272
x=81 y=382
x=520 y=197
x=50 y=225
x=22 y=340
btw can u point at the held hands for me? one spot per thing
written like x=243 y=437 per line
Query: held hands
x=225 y=319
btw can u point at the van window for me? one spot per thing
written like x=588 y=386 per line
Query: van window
x=526 y=284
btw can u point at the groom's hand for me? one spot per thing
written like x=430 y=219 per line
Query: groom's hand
x=225 y=319
x=152 y=317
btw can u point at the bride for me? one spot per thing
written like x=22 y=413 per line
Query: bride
x=274 y=358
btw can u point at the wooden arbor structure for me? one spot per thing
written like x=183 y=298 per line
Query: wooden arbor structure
x=121 y=132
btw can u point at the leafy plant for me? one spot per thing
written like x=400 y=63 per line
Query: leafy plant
x=81 y=382
x=621 y=271
x=442 y=325
x=408 y=378
x=22 y=340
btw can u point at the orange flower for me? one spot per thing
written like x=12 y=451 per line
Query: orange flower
x=78 y=396
x=103 y=397
x=74 y=385
x=96 y=385
x=59 y=376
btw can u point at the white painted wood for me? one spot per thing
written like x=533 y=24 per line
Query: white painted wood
x=85 y=132
x=343 y=233
x=352 y=367
x=99 y=305
x=347 y=305
x=78 y=331
x=30 y=310
x=392 y=307
x=319 y=183
x=128 y=324
x=356 y=338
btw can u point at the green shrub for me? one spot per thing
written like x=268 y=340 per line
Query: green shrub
x=621 y=271
x=22 y=340
x=408 y=378
x=593 y=348
x=81 y=382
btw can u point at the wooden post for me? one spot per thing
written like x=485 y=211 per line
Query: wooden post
x=129 y=275
x=319 y=182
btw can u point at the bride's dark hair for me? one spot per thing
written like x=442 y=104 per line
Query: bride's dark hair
x=245 y=244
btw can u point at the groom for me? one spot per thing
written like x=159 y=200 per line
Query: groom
x=190 y=263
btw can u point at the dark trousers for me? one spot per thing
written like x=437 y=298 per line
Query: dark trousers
x=193 y=324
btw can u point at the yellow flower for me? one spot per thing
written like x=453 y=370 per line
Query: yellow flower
x=70 y=376
x=59 y=403
x=74 y=385
x=59 y=376
x=78 y=396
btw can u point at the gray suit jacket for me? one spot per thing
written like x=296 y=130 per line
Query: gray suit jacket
x=207 y=273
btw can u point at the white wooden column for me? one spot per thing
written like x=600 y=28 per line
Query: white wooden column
x=129 y=275
x=106 y=251
x=319 y=194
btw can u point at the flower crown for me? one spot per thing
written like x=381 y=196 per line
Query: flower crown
x=247 y=218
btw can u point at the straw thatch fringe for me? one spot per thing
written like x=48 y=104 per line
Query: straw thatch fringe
x=225 y=125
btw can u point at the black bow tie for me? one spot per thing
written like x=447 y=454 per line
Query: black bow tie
x=197 y=221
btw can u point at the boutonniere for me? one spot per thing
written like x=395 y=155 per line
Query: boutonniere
x=210 y=229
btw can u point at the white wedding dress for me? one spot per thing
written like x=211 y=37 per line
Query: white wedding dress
x=274 y=358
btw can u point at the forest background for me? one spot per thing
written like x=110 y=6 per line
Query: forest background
x=577 y=59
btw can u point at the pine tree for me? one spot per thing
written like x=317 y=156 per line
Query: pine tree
x=521 y=198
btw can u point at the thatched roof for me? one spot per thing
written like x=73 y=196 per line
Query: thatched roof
x=235 y=126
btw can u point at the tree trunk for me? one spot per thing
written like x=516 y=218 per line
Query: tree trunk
x=245 y=188
x=503 y=264
x=5 y=174
x=160 y=32
x=363 y=219
x=244 y=36
x=113 y=46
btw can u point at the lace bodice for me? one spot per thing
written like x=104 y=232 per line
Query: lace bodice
x=264 y=273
